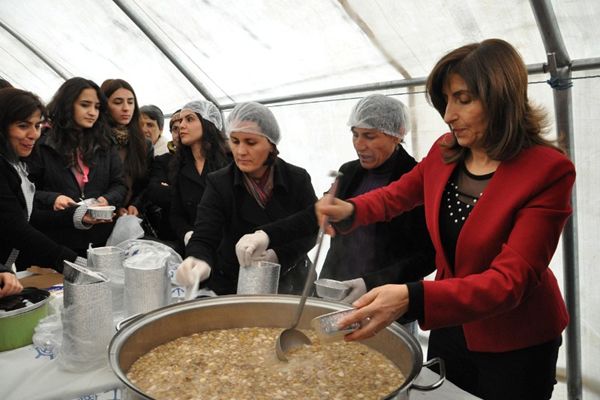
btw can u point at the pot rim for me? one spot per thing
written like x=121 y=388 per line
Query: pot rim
x=26 y=309
x=136 y=322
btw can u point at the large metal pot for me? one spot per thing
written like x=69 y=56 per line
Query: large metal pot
x=140 y=335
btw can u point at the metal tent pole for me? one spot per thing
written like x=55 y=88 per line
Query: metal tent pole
x=164 y=48
x=559 y=65
x=58 y=69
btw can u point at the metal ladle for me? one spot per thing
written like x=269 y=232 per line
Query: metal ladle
x=292 y=338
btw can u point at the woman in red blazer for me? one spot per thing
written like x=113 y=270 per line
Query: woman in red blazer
x=496 y=197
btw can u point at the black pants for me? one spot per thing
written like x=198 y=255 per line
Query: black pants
x=527 y=374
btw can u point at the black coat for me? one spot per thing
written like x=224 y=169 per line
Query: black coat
x=227 y=212
x=403 y=250
x=53 y=178
x=140 y=184
x=187 y=192
x=158 y=197
x=17 y=233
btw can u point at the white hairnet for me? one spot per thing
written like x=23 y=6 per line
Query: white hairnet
x=207 y=110
x=382 y=113
x=255 y=112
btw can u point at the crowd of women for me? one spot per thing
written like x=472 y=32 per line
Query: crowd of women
x=484 y=208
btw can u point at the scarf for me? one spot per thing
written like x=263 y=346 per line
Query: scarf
x=81 y=171
x=262 y=188
x=121 y=136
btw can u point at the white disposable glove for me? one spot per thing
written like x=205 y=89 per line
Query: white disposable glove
x=359 y=287
x=191 y=272
x=186 y=237
x=269 y=255
x=250 y=246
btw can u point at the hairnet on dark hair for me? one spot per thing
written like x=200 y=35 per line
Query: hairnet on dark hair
x=243 y=113
x=207 y=110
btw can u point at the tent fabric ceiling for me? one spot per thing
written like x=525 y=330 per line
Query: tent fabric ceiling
x=244 y=50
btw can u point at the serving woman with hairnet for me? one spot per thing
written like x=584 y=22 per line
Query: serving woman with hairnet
x=394 y=251
x=258 y=188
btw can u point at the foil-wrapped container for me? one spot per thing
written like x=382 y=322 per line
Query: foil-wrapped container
x=327 y=325
x=105 y=259
x=260 y=277
x=147 y=286
x=86 y=318
x=108 y=260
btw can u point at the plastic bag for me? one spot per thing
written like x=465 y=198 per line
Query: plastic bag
x=127 y=227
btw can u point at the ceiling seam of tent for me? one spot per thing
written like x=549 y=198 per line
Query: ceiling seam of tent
x=54 y=66
x=172 y=57
x=190 y=59
x=364 y=27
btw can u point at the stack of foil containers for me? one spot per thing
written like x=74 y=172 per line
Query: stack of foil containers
x=86 y=318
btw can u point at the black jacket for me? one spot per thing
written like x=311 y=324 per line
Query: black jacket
x=17 y=233
x=227 y=212
x=187 y=192
x=53 y=178
x=403 y=250
x=158 y=197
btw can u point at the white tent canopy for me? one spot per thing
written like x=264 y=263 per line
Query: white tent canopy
x=311 y=60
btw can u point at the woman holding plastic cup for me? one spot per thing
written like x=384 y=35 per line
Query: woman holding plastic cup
x=258 y=188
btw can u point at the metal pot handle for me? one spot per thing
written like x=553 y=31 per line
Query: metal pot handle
x=127 y=320
x=436 y=384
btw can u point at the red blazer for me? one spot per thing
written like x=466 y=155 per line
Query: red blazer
x=501 y=291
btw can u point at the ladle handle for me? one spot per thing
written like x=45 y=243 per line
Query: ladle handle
x=313 y=265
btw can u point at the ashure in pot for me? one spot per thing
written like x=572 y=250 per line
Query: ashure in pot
x=138 y=336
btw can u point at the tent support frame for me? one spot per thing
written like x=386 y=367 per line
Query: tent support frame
x=559 y=64
x=164 y=48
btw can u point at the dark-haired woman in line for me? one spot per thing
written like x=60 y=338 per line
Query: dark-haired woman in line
x=135 y=150
x=496 y=195
x=256 y=189
x=74 y=161
x=202 y=149
x=21 y=115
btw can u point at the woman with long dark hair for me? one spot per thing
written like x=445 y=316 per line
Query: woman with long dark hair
x=256 y=189
x=74 y=160
x=496 y=195
x=202 y=149
x=135 y=150
x=21 y=116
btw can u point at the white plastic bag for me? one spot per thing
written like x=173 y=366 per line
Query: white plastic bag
x=127 y=227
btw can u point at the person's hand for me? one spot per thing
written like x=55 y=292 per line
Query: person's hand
x=101 y=201
x=9 y=284
x=192 y=271
x=63 y=202
x=186 y=237
x=251 y=246
x=358 y=288
x=380 y=307
x=132 y=210
x=334 y=209
x=89 y=220
x=269 y=255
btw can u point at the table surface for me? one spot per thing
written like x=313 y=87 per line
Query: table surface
x=29 y=373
